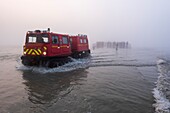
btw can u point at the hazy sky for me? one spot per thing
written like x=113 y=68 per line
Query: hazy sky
x=141 y=22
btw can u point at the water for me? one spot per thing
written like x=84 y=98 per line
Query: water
x=123 y=81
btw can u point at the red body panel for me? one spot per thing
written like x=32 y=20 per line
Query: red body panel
x=79 y=43
x=61 y=48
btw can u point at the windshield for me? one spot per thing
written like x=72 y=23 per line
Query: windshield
x=37 y=38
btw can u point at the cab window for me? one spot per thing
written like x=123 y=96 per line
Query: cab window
x=81 y=40
x=37 y=38
x=55 y=39
x=71 y=40
x=65 y=40
x=45 y=39
x=85 y=41
x=32 y=39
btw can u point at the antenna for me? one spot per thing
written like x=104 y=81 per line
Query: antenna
x=48 y=29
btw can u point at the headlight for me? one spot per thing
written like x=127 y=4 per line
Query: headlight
x=44 y=53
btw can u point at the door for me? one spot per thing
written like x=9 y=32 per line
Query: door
x=65 y=45
x=55 y=45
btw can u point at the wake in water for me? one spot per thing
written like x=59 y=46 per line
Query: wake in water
x=75 y=64
x=162 y=90
x=96 y=60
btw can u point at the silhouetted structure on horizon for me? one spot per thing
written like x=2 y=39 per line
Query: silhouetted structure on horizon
x=116 y=45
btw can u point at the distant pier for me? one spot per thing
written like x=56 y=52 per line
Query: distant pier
x=114 y=45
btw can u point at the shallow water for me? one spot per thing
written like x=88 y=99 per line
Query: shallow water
x=123 y=81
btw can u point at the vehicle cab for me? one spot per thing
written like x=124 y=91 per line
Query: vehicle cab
x=46 y=44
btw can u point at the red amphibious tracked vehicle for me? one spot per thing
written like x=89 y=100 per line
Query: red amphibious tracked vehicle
x=45 y=48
